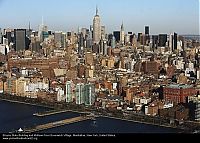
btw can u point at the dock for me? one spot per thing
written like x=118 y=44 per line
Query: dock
x=55 y=124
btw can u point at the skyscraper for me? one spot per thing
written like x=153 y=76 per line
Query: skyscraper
x=63 y=40
x=29 y=31
x=117 y=36
x=89 y=94
x=58 y=37
x=139 y=36
x=146 y=30
x=9 y=36
x=113 y=42
x=20 y=39
x=35 y=44
x=154 y=42
x=0 y=36
x=68 y=91
x=80 y=97
x=105 y=48
x=171 y=42
x=96 y=28
x=42 y=29
x=175 y=41
x=122 y=34
x=80 y=44
x=147 y=36
x=162 y=40
x=103 y=32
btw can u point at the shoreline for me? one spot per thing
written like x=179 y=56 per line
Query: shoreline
x=20 y=102
x=104 y=116
x=140 y=122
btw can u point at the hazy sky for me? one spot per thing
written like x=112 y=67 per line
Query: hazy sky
x=163 y=16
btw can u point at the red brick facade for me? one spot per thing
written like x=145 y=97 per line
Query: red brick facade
x=178 y=95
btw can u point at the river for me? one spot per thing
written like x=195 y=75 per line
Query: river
x=14 y=116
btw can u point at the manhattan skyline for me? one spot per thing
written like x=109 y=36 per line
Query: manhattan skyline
x=181 y=16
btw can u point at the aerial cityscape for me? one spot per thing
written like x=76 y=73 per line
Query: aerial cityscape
x=91 y=77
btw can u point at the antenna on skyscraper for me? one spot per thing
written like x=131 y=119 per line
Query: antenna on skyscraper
x=122 y=26
x=29 y=25
x=78 y=30
x=96 y=10
x=42 y=20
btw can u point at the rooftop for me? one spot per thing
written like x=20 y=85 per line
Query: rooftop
x=179 y=86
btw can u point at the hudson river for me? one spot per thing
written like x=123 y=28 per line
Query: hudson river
x=14 y=116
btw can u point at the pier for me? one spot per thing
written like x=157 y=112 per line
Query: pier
x=55 y=124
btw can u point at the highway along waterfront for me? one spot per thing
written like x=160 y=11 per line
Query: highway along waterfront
x=15 y=116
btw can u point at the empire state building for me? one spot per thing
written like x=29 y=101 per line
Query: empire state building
x=96 y=28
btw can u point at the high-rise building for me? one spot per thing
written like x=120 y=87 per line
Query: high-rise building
x=139 y=36
x=9 y=36
x=58 y=37
x=84 y=32
x=20 y=39
x=101 y=47
x=129 y=37
x=89 y=40
x=147 y=36
x=175 y=41
x=103 y=32
x=96 y=28
x=146 y=30
x=105 y=48
x=3 y=49
x=80 y=96
x=110 y=36
x=89 y=94
x=63 y=40
x=89 y=59
x=133 y=40
x=35 y=44
x=194 y=106
x=142 y=39
x=80 y=44
x=122 y=34
x=45 y=35
x=113 y=42
x=162 y=40
x=29 y=31
x=0 y=36
x=117 y=36
x=154 y=42
x=171 y=42
x=69 y=91
x=42 y=29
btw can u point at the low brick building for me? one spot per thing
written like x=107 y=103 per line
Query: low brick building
x=178 y=92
